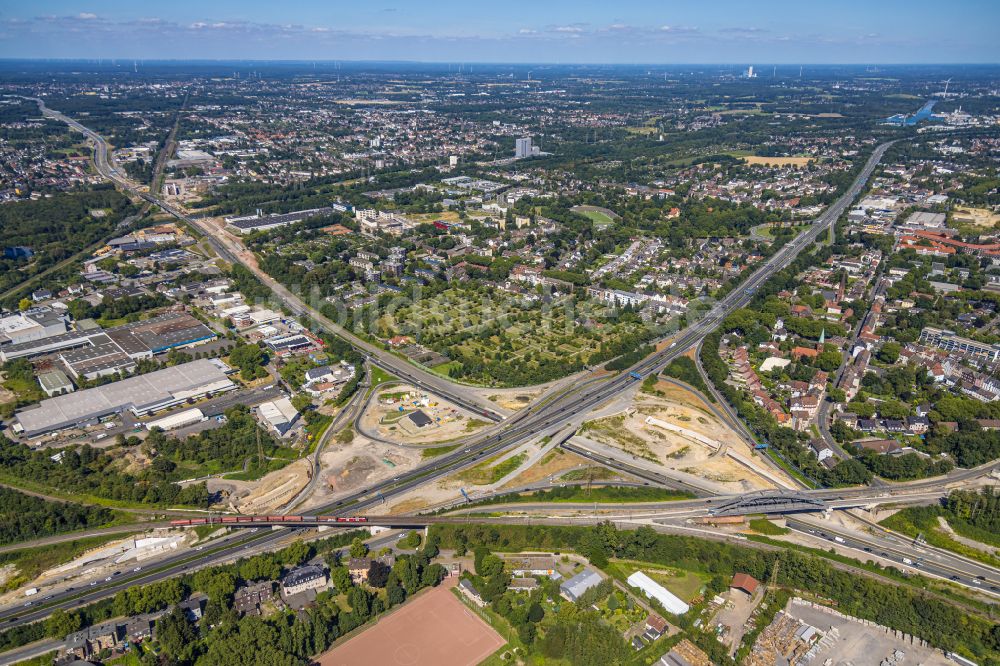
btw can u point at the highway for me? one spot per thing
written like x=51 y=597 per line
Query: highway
x=551 y=413
x=214 y=554
x=255 y=537
x=903 y=553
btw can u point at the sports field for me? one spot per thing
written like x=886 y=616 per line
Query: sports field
x=432 y=629
x=598 y=215
x=777 y=161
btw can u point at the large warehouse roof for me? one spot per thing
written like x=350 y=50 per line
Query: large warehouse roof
x=141 y=394
x=137 y=339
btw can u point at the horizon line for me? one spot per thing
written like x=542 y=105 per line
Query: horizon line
x=790 y=63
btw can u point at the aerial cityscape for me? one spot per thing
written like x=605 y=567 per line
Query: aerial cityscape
x=546 y=334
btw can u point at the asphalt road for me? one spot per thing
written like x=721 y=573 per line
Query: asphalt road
x=904 y=554
x=29 y=651
x=549 y=414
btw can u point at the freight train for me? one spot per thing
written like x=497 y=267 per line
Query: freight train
x=229 y=520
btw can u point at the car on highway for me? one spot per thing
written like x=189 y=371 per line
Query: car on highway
x=106 y=580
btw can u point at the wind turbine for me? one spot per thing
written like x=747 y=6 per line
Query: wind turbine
x=946 y=87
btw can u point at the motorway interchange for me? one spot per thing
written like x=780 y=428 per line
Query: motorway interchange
x=557 y=411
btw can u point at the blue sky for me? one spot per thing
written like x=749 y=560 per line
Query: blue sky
x=562 y=31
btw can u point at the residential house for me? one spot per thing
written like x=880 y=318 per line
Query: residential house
x=523 y=584
x=532 y=566
x=358 y=567
x=249 y=600
x=820 y=449
x=300 y=579
x=880 y=446
x=655 y=627
x=192 y=608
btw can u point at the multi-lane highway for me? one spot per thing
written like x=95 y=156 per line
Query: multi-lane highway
x=903 y=553
x=556 y=409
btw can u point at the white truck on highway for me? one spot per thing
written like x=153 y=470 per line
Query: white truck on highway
x=31 y=591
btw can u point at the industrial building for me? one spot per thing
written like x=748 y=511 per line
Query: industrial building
x=55 y=382
x=32 y=324
x=279 y=415
x=142 y=395
x=654 y=590
x=141 y=339
x=259 y=222
x=177 y=420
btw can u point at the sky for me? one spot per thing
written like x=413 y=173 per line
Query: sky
x=509 y=31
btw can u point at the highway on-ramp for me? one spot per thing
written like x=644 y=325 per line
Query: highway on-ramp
x=549 y=414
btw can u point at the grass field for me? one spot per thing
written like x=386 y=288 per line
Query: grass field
x=597 y=217
x=602 y=494
x=777 y=161
x=380 y=376
x=686 y=585
x=490 y=471
x=924 y=521
x=436 y=451
x=765 y=526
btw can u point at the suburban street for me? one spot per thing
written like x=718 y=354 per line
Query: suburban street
x=558 y=409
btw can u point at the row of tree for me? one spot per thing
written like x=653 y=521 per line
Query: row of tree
x=85 y=470
x=23 y=517
x=905 y=608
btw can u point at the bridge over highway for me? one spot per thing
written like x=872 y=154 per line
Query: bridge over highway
x=553 y=411
x=768 y=502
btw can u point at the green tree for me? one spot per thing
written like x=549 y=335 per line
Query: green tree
x=341 y=578
x=889 y=353
x=176 y=634
x=250 y=359
x=358 y=548
x=60 y=623
x=491 y=565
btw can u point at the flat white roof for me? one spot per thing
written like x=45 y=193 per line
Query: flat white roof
x=177 y=419
x=17 y=322
x=654 y=590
